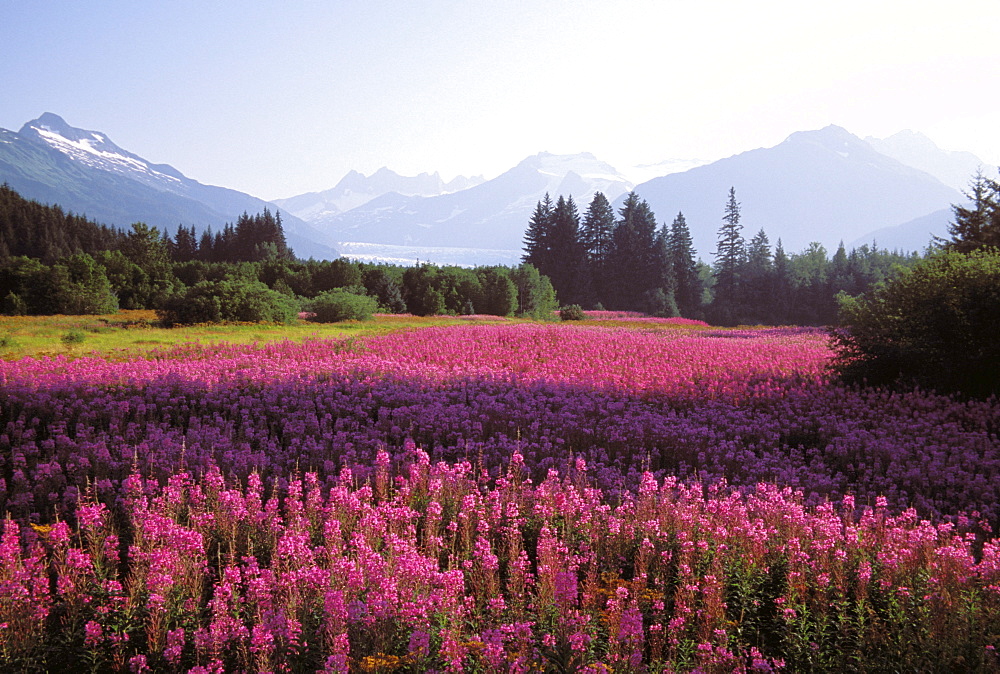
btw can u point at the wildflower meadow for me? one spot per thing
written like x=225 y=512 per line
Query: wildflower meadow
x=508 y=497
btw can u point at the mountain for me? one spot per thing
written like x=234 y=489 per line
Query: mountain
x=916 y=234
x=86 y=173
x=490 y=217
x=954 y=169
x=354 y=190
x=827 y=186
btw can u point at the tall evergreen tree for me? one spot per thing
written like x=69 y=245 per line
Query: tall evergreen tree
x=567 y=256
x=185 y=244
x=684 y=268
x=729 y=256
x=781 y=288
x=633 y=262
x=977 y=226
x=756 y=277
x=596 y=235
x=538 y=237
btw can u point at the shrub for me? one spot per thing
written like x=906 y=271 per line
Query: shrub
x=573 y=312
x=934 y=325
x=73 y=337
x=13 y=305
x=228 y=301
x=339 y=305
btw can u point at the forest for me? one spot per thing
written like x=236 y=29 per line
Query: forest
x=629 y=262
x=54 y=262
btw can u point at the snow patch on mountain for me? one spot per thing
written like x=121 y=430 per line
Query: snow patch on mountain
x=83 y=150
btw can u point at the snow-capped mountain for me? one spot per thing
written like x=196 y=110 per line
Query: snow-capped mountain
x=954 y=169
x=355 y=189
x=96 y=150
x=85 y=172
x=826 y=186
x=492 y=215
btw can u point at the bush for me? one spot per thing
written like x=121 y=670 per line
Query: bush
x=339 y=305
x=228 y=301
x=13 y=305
x=73 y=337
x=934 y=325
x=573 y=312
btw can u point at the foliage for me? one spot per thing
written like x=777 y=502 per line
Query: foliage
x=934 y=325
x=538 y=248
x=73 y=337
x=572 y=312
x=228 y=300
x=977 y=226
x=334 y=306
x=47 y=233
x=536 y=298
x=636 y=261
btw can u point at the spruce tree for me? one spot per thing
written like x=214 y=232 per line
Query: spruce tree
x=780 y=310
x=596 y=238
x=537 y=238
x=684 y=268
x=729 y=256
x=757 y=275
x=566 y=254
x=633 y=262
x=977 y=226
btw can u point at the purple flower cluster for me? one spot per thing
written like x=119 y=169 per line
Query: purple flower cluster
x=704 y=407
x=437 y=568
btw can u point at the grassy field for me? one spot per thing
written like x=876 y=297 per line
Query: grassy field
x=127 y=333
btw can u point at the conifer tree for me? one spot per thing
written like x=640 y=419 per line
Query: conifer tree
x=566 y=255
x=538 y=237
x=635 y=272
x=756 y=277
x=684 y=268
x=596 y=235
x=977 y=226
x=781 y=288
x=729 y=256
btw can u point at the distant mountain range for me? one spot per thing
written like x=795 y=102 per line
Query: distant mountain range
x=826 y=186
x=490 y=216
x=85 y=172
x=356 y=190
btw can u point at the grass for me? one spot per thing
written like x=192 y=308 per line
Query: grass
x=129 y=333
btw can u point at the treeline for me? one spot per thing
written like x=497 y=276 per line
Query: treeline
x=47 y=233
x=52 y=262
x=627 y=261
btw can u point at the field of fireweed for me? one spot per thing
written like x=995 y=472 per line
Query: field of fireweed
x=494 y=498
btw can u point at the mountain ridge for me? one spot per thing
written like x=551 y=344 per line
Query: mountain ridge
x=84 y=172
x=825 y=185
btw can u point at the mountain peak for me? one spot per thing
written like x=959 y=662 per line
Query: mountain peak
x=829 y=136
x=49 y=121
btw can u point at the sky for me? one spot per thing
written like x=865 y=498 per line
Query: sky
x=280 y=98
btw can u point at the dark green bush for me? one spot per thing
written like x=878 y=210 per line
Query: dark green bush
x=228 y=301
x=573 y=312
x=339 y=305
x=73 y=337
x=935 y=325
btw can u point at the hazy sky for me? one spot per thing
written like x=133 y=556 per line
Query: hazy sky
x=280 y=98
